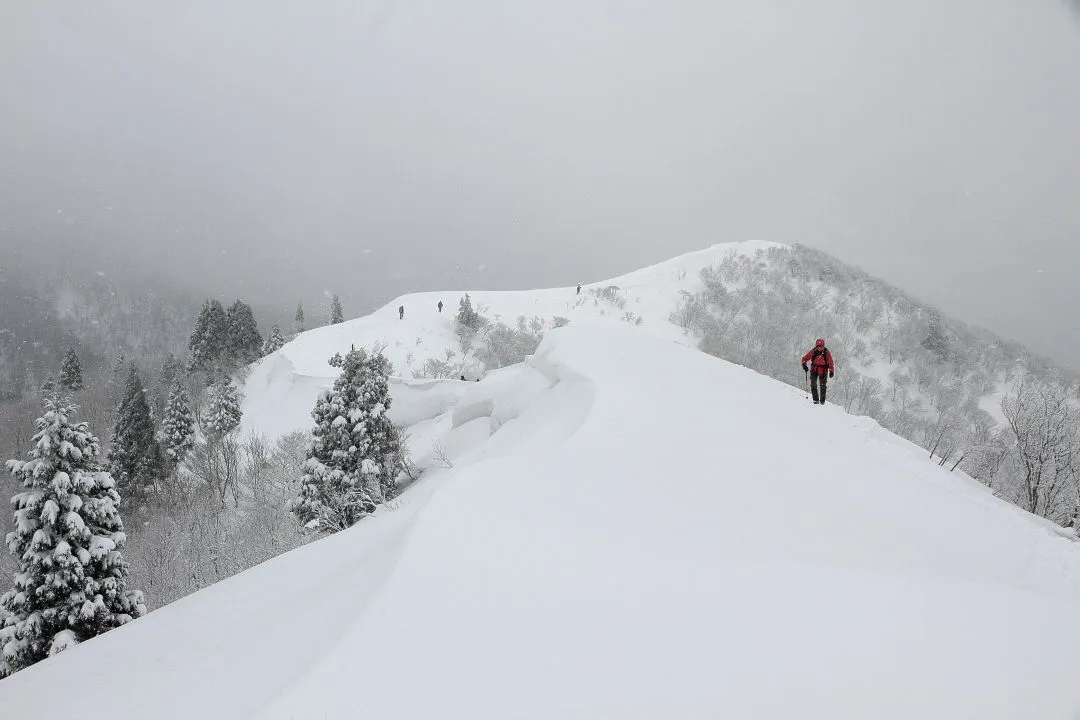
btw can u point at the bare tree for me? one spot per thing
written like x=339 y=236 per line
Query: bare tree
x=438 y=452
x=288 y=460
x=1043 y=423
x=859 y=394
x=943 y=437
x=986 y=450
x=191 y=541
x=689 y=313
x=217 y=466
x=257 y=464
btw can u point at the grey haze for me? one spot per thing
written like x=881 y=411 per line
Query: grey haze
x=282 y=151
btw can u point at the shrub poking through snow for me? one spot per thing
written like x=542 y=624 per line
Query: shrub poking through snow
x=504 y=345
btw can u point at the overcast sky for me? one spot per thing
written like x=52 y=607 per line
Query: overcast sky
x=276 y=150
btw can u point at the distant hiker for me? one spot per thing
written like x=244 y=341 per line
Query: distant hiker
x=821 y=363
x=401 y=312
x=440 y=306
x=579 y=288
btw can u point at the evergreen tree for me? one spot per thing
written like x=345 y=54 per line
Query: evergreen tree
x=48 y=387
x=117 y=377
x=467 y=318
x=336 y=360
x=209 y=340
x=71 y=376
x=354 y=456
x=178 y=428
x=119 y=365
x=135 y=459
x=222 y=410
x=72 y=581
x=298 y=320
x=274 y=342
x=336 y=313
x=172 y=370
x=244 y=341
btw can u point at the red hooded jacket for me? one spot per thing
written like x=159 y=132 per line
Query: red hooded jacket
x=822 y=361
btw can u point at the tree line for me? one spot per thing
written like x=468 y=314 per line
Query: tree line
x=174 y=464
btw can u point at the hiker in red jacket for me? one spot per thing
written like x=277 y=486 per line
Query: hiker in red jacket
x=821 y=364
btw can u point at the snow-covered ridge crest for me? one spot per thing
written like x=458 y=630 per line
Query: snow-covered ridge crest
x=281 y=389
x=624 y=525
x=934 y=381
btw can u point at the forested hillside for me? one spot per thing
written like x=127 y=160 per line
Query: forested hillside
x=100 y=328
x=974 y=400
x=102 y=319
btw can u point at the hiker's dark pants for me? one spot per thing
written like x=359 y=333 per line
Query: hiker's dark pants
x=814 y=380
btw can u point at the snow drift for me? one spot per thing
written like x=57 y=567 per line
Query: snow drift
x=281 y=390
x=630 y=528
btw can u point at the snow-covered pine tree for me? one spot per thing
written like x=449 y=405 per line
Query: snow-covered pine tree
x=136 y=462
x=119 y=366
x=354 y=457
x=198 y=342
x=209 y=340
x=217 y=331
x=72 y=580
x=71 y=376
x=337 y=315
x=336 y=360
x=274 y=341
x=222 y=410
x=113 y=394
x=172 y=370
x=383 y=442
x=298 y=319
x=467 y=318
x=48 y=387
x=178 y=428
x=244 y=341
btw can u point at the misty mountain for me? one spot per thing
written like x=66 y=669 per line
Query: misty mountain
x=620 y=526
x=954 y=389
x=41 y=316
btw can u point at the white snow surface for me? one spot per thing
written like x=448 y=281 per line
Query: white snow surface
x=630 y=529
x=281 y=390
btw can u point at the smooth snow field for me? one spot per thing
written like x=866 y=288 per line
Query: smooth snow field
x=629 y=529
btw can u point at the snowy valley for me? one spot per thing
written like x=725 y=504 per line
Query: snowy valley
x=619 y=525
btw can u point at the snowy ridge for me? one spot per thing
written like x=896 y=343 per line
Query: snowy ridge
x=630 y=528
x=282 y=387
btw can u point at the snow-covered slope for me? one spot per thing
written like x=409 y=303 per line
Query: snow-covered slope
x=630 y=528
x=282 y=388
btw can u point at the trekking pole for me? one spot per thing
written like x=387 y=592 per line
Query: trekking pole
x=806 y=383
